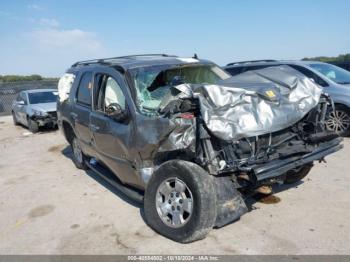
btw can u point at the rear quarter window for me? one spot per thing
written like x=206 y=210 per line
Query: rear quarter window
x=84 y=89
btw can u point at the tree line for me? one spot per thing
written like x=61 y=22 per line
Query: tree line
x=20 y=78
x=326 y=59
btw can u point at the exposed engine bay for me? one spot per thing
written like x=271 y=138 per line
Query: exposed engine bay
x=254 y=134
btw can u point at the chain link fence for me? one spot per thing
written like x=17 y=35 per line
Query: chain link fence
x=9 y=92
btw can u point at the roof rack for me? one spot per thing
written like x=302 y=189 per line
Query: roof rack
x=106 y=60
x=252 y=61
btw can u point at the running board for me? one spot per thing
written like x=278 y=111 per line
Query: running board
x=109 y=177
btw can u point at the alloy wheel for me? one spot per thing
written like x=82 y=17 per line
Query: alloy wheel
x=174 y=202
x=338 y=121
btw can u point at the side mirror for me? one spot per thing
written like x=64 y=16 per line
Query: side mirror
x=21 y=102
x=115 y=111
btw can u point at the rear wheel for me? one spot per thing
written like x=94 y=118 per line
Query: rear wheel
x=339 y=120
x=33 y=126
x=180 y=201
x=298 y=174
x=78 y=156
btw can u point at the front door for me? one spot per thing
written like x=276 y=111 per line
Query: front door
x=112 y=137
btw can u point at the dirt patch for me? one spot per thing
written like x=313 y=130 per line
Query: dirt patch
x=14 y=181
x=41 y=211
x=56 y=148
x=83 y=241
x=121 y=244
x=145 y=234
x=269 y=199
x=74 y=226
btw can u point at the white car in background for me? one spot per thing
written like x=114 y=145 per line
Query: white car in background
x=35 y=108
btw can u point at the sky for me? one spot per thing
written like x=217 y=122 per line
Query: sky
x=46 y=37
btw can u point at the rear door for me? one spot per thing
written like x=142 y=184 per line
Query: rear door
x=111 y=138
x=81 y=111
x=308 y=73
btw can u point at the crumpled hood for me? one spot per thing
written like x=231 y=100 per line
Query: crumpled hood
x=45 y=107
x=254 y=103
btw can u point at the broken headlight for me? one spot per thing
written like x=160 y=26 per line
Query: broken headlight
x=39 y=113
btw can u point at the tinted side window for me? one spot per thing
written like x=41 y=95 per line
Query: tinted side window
x=250 y=68
x=310 y=74
x=84 y=89
x=234 y=70
x=238 y=70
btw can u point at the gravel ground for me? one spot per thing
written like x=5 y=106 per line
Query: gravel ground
x=47 y=206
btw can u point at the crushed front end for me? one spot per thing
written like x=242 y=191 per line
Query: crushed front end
x=249 y=137
x=45 y=118
x=265 y=159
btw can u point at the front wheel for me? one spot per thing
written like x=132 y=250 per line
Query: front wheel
x=180 y=201
x=33 y=126
x=339 y=120
x=295 y=175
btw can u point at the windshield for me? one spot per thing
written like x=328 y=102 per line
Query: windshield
x=334 y=73
x=154 y=82
x=42 y=97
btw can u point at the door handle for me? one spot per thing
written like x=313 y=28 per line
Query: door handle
x=94 y=128
x=74 y=115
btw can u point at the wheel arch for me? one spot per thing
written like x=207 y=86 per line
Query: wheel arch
x=342 y=105
x=68 y=131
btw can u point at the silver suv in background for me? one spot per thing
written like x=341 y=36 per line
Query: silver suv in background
x=35 y=108
x=334 y=80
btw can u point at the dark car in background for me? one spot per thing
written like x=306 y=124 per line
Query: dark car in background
x=35 y=108
x=344 y=65
x=182 y=137
x=334 y=80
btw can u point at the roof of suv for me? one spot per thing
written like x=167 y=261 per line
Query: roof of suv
x=40 y=90
x=132 y=61
x=270 y=62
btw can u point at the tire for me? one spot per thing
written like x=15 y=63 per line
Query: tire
x=33 y=126
x=295 y=175
x=15 y=122
x=339 y=120
x=78 y=156
x=195 y=224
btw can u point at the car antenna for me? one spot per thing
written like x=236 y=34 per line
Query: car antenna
x=195 y=56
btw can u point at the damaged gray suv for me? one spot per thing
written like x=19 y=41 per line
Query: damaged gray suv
x=188 y=140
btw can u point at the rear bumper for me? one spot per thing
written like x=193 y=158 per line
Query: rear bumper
x=276 y=168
